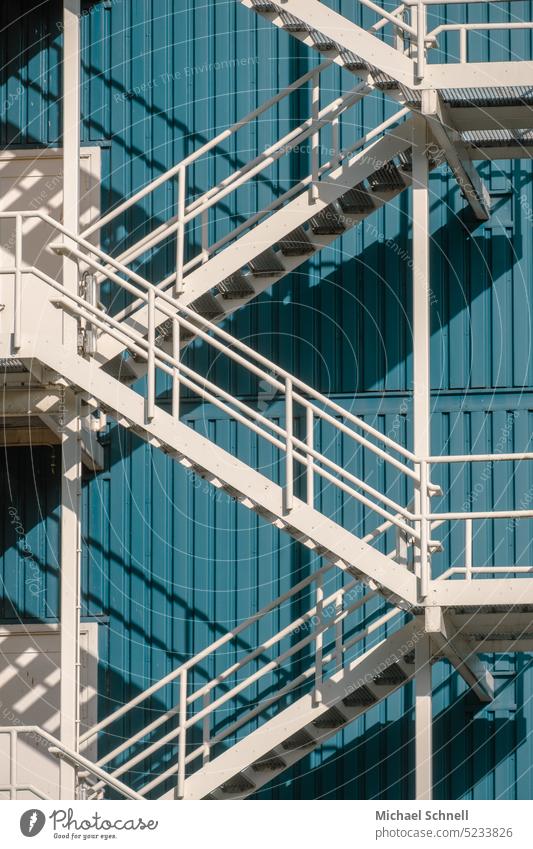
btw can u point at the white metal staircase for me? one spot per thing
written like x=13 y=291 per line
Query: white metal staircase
x=301 y=689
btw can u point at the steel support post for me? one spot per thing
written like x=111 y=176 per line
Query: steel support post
x=421 y=430
x=71 y=150
x=423 y=720
x=70 y=436
x=70 y=586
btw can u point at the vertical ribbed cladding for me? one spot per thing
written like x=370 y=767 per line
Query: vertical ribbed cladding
x=160 y=80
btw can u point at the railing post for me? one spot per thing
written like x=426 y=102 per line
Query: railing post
x=421 y=39
x=13 y=764
x=182 y=752
x=338 y=632
x=205 y=235
x=90 y=289
x=18 y=283
x=180 y=233
x=310 y=484
x=206 y=730
x=315 y=138
x=289 y=447
x=319 y=639
x=335 y=142
x=176 y=374
x=468 y=549
x=463 y=49
x=150 y=389
x=424 y=530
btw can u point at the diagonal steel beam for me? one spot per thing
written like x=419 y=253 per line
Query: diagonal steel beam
x=461 y=653
x=454 y=150
x=347 y=34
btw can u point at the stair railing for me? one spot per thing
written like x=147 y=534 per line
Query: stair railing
x=333 y=612
x=317 y=408
x=187 y=213
x=39 y=737
x=208 y=251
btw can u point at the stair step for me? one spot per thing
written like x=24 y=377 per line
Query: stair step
x=237 y=784
x=393 y=674
x=296 y=243
x=271 y=762
x=207 y=306
x=266 y=264
x=299 y=740
x=290 y=23
x=409 y=658
x=362 y=697
x=352 y=62
x=406 y=160
x=386 y=179
x=323 y=43
x=329 y=222
x=383 y=81
x=333 y=718
x=357 y=201
x=264 y=6
x=235 y=286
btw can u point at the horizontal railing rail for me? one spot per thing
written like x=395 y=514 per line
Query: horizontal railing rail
x=187 y=212
x=38 y=736
x=317 y=407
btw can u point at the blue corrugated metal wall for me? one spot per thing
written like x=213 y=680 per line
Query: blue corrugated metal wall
x=167 y=564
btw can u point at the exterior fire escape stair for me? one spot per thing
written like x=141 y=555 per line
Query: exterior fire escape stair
x=305 y=725
x=227 y=473
x=282 y=242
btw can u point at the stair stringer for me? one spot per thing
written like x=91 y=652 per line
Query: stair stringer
x=265 y=235
x=226 y=472
x=241 y=760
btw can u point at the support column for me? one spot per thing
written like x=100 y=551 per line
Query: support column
x=70 y=587
x=71 y=150
x=423 y=720
x=421 y=290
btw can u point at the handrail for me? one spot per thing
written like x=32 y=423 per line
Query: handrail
x=300 y=186
x=58 y=748
x=217 y=140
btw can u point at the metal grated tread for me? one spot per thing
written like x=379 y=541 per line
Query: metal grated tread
x=299 y=740
x=386 y=179
x=271 y=762
x=266 y=264
x=207 y=306
x=235 y=286
x=293 y=24
x=329 y=222
x=323 y=43
x=333 y=718
x=357 y=201
x=362 y=697
x=393 y=674
x=296 y=243
x=237 y=784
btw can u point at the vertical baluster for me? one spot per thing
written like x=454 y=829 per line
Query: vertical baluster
x=180 y=233
x=289 y=447
x=315 y=138
x=468 y=549
x=18 y=283
x=335 y=141
x=310 y=483
x=182 y=753
x=463 y=48
x=205 y=235
x=13 y=755
x=424 y=537
x=176 y=387
x=206 y=730
x=319 y=640
x=338 y=631
x=150 y=399
x=421 y=39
